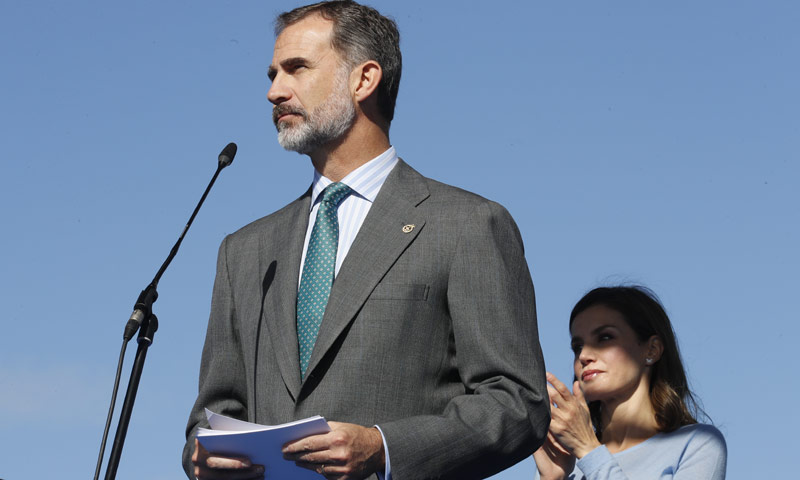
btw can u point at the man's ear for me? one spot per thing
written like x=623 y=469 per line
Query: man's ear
x=365 y=79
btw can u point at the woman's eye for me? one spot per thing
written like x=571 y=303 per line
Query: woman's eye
x=576 y=348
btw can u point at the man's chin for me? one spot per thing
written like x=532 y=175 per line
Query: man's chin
x=290 y=138
x=294 y=145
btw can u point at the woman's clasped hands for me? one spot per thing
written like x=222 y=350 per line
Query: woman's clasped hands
x=571 y=434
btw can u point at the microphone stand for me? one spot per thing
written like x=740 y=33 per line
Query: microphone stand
x=145 y=321
x=145 y=339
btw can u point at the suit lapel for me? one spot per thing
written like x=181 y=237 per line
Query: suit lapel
x=380 y=241
x=280 y=300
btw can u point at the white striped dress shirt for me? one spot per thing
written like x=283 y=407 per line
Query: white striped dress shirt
x=366 y=181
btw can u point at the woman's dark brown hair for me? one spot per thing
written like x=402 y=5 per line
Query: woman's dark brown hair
x=672 y=400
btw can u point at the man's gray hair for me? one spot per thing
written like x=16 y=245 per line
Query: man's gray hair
x=360 y=33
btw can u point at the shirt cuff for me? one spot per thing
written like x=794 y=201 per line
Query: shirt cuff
x=387 y=473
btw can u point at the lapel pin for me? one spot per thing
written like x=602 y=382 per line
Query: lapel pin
x=408 y=228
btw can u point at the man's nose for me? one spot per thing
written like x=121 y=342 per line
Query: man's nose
x=277 y=92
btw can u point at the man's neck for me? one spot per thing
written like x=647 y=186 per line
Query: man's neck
x=359 y=145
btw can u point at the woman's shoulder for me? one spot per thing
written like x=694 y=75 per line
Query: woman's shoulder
x=698 y=435
x=699 y=430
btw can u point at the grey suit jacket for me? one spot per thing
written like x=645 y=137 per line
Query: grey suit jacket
x=430 y=334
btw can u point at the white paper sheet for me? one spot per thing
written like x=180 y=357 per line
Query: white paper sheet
x=261 y=443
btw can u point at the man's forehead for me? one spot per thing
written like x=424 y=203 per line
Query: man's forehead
x=310 y=36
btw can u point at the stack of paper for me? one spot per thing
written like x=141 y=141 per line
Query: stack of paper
x=261 y=443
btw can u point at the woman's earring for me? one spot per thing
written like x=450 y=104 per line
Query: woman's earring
x=648 y=361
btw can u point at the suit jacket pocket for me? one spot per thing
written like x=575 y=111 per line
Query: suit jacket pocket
x=400 y=291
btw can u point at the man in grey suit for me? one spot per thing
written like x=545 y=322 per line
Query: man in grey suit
x=399 y=308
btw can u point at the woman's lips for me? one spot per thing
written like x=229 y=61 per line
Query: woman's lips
x=589 y=374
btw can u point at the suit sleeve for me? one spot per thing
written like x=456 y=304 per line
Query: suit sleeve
x=222 y=372
x=503 y=415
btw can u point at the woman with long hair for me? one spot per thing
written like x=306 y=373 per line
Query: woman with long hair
x=630 y=414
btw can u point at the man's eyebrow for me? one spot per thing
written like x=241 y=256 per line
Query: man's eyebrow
x=293 y=61
x=286 y=63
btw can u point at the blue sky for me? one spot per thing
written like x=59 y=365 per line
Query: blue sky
x=642 y=142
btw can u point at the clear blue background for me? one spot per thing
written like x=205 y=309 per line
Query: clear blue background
x=652 y=142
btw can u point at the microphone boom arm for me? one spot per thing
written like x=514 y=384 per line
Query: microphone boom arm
x=144 y=304
x=143 y=320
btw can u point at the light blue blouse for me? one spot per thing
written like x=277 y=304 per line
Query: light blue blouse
x=690 y=452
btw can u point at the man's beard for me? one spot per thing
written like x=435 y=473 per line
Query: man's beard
x=327 y=122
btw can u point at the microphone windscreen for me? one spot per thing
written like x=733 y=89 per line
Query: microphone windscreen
x=227 y=154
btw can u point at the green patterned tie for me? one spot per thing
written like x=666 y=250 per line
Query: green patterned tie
x=318 y=271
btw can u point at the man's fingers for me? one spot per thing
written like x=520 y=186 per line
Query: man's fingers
x=233 y=463
x=310 y=457
x=198 y=451
x=330 y=466
x=201 y=457
x=347 y=451
x=314 y=443
x=209 y=466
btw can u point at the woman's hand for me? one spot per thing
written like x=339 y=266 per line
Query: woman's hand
x=570 y=421
x=552 y=460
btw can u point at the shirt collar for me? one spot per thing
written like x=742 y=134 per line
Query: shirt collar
x=365 y=181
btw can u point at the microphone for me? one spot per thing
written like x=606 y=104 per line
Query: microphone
x=144 y=304
x=227 y=154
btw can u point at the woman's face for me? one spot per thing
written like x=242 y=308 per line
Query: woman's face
x=610 y=361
